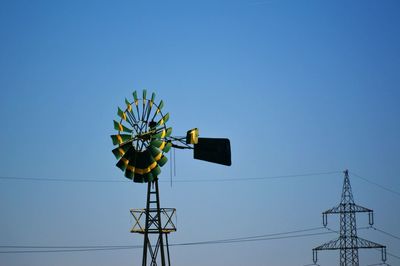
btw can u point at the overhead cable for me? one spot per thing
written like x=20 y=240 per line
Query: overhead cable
x=52 y=249
x=183 y=180
x=376 y=184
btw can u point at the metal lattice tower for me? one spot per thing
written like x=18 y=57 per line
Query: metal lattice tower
x=155 y=224
x=348 y=242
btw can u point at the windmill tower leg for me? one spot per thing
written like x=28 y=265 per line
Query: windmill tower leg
x=146 y=230
x=153 y=226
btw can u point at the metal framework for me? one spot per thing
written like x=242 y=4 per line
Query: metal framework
x=155 y=224
x=348 y=242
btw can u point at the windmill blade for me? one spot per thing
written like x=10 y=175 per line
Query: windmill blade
x=129 y=157
x=141 y=170
x=167 y=147
x=144 y=104
x=160 y=106
x=163 y=160
x=158 y=143
x=120 y=127
x=150 y=106
x=130 y=169
x=163 y=120
x=161 y=134
x=135 y=98
x=158 y=154
x=130 y=172
x=169 y=132
x=145 y=163
x=121 y=114
x=130 y=114
x=136 y=102
x=122 y=163
x=155 y=152
x=144 y=94
x=128 y=105
x=139 y=166
x=122 y=149
x=120 y=138
x=156 y=171
x=149 y=177
x=213 y=150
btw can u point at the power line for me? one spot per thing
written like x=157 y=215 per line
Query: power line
x=191 y=180
x=256 y=178
x=248 y=240
x=184 y=180
x=376 y=184
x=69 y=180
x=265 y=237
x=394 y=256
x=273 y=234
x=369 y=227
x=384 y=232
x=67 y=247
x=67 y=250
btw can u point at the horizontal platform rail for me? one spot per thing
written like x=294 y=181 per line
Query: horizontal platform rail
x=168 y=220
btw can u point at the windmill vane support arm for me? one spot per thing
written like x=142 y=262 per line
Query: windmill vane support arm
x=180 y=143
x=181 y=147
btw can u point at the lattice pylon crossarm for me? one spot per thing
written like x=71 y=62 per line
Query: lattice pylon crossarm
x=363 y=243
x=331 y=245
x=352 y=207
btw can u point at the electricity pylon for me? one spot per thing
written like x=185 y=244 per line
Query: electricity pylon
x=348 y=242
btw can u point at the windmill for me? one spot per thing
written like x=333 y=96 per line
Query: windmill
x=142 y=142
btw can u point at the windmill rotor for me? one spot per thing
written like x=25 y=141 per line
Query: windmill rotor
x=143 y=139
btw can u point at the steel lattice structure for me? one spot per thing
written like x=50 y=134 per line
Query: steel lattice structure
x=155 y=223
x=142 y=142
x=348 y=242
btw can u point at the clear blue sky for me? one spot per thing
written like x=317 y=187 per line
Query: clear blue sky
x=298 y=86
